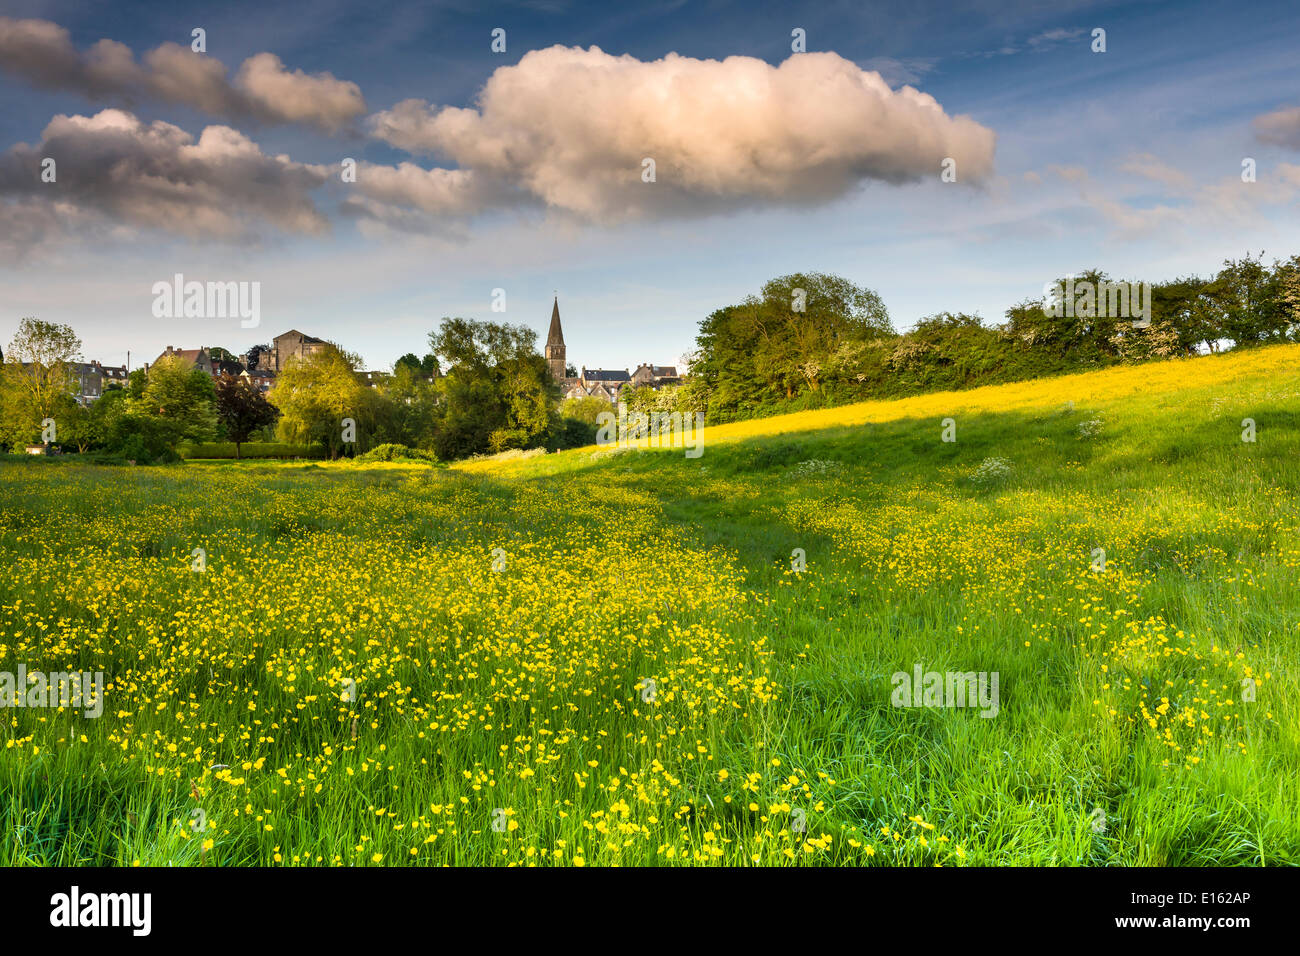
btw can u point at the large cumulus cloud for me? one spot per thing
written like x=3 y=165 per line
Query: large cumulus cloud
x=569 y=128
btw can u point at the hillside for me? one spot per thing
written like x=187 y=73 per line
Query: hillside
x=607 y=656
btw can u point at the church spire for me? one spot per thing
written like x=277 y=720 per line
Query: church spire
x=555 y=350
x=556 y=335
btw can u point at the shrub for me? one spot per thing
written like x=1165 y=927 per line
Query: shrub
x=226 y=449
x=571 y=433
x=143 y=439
x=395 y=452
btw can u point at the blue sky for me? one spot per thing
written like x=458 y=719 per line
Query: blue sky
x=1128 y=160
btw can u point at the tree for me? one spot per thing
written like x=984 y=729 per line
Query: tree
x=38 y=379
x=242 y=408
x=1252 y=309
x=427 y=367
x=495 y=390
x=181 y=397
x=135 y=384
x=586 y=409
x=414 y=410
x=315 y=394
x=1288 y=287
x=781 y=342
x=76 y=427
x=104 y=417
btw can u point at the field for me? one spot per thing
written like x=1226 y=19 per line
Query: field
x=607 y=656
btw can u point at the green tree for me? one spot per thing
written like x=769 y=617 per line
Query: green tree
x=1252 y=310
x=585 y=409
x=36 y=379
x=782 y=342
x=315 y=394
x=1288 y=292
x=182 y=398
x=415 y=408
x=427 y=367
x=495 y=390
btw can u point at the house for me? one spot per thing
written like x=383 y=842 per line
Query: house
x=90 y=379
x=113 y=374
x=226 y=367
x=294 y=344
x=655 y=376
x=604 y=383
x=262 y=379
x=199 y=358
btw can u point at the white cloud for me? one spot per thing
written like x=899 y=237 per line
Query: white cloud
x=896 y=72
x=570 y=128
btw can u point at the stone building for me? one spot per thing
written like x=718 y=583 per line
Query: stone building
x=294 y=344
x=609 y=384
x=91 y=379
x=599 y=383
x=199 y=358
x=656 y=376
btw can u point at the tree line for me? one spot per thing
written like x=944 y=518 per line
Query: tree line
x=808 y=340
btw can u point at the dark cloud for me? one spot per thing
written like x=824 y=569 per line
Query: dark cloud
x=114 y=169
x=42 y=53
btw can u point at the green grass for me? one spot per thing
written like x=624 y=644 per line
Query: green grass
x=648 y=564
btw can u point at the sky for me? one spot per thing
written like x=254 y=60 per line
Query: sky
x=951 y=157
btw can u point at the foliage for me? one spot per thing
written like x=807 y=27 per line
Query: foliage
x=316 y=393
x=36 y=379
x=496 y=395
x=761 y=357
x=226 y=449
x=181 y=398
x=242 y=409
x=394 y=452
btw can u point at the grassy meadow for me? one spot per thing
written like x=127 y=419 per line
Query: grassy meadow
x=605 y=657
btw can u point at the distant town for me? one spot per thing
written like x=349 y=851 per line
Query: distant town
x=261 y=364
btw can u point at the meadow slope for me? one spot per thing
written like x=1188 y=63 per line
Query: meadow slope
x=605 y=656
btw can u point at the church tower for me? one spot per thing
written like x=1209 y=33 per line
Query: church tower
x=555 y=344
